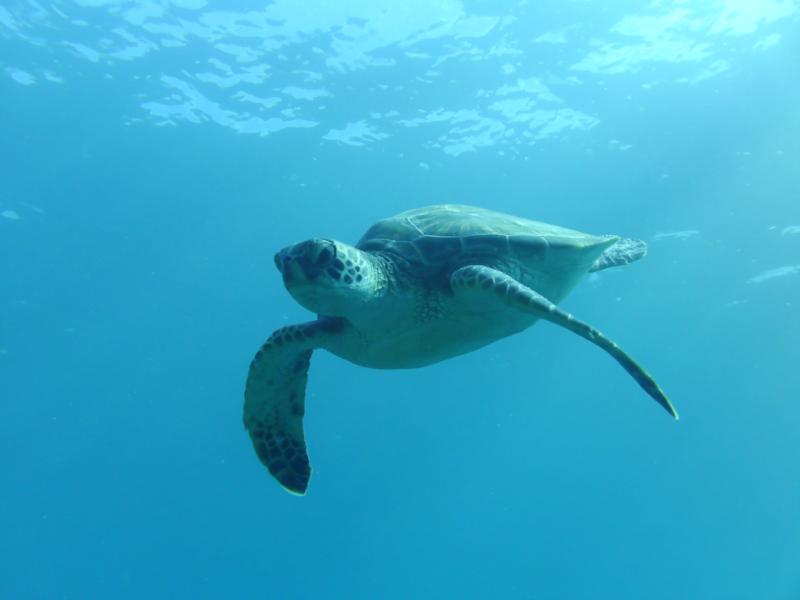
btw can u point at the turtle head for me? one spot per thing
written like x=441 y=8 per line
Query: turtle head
x=328 y=277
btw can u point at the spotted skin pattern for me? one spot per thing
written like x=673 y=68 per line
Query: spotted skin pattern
x=485 y=280
x=348 y=266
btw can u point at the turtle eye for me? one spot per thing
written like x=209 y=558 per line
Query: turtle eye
x=324 y=257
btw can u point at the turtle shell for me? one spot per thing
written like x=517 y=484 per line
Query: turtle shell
x=453 y=234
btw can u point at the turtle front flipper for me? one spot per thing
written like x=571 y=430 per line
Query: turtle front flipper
x=496 y=286
x=274 y=404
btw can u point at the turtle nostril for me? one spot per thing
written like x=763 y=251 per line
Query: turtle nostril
x=281 y=260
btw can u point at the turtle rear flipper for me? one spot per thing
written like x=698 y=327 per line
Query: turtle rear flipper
x=496 y=286
x=625 y=251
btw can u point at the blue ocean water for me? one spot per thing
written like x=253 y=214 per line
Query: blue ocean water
x=156 y=153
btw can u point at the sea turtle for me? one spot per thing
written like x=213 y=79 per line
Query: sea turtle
x=418 y=288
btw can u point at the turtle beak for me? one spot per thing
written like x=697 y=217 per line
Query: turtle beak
x=288 y=266
x=306 y=260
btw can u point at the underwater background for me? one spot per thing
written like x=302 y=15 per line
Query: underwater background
x=156 y=153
